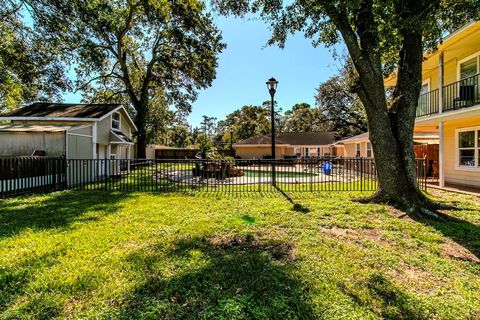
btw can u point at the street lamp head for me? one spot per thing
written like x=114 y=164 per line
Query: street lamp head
x=272 y=84
x=231 y=130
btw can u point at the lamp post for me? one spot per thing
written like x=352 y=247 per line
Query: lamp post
x=231 y=138
x=272 y=88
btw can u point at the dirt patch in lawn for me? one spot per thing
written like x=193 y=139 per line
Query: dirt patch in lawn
x=354 y=235
x=455 y=251
x=417 y=279
x=275 y=248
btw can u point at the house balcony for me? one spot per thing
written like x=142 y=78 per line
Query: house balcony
x=457 y=95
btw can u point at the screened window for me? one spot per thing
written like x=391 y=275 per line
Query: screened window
x=468 y=68
x=357 y=149
x=469 y=148
x=369 y=150
x=116 y=121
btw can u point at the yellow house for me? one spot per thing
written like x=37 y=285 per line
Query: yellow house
x=360 y=146
x=449 y=104
x=287 y=145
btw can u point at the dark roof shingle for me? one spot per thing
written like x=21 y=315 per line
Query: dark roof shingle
x=64 y=110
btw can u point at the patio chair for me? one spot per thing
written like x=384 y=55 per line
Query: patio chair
x=466 y=95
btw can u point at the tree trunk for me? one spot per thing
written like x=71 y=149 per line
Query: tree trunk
x=391 y=129
x=140 y=122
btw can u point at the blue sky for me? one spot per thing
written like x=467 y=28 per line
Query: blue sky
x=246 y=64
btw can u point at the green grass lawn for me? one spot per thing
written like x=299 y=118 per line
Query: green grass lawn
x=94 y=254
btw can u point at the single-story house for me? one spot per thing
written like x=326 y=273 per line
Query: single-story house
x=74 y=131
x=360 y=146
x=287 y=144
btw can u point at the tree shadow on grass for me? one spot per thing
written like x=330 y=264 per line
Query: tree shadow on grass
x=14 y=280
x=240 y=277
x=464 y=233
x=387 y=300
x=298 y=207
x=55 y=210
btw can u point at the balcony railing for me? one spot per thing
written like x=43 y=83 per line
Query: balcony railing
x=457 y=95
x=428 y=103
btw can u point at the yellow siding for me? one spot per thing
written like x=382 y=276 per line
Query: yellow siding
x=248 y=152
x=289 y=151
x=339 y=150
x=350 y=148
x=456 y=48
x=452 y=174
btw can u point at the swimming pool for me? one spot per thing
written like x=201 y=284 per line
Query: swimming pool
x=279 y=174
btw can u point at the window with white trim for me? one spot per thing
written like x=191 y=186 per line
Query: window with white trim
x=468 y=144
x=369 y=150
x=116 y=121
x=469 y=68
x=357 y=149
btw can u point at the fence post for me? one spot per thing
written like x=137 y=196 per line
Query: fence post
x=105 y=175
x=310 y=167
x=361 y=174
x=54 y=174
x=259 y=178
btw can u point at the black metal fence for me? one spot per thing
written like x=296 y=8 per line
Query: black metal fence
x=22 y=175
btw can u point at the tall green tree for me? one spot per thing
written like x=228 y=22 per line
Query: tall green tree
x=209 y=126
x=30 y=69
x=342 y=107
x=179 y=136
x=380 y=36
x=141 y=49
x=246 y=122
x=303 y=118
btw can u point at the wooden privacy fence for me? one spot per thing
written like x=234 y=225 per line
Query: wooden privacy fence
x=21 y=175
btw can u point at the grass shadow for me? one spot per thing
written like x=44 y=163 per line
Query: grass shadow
x=55 y=210
x=239 y=277
x=387 y=300
x=463 y=232
x=298 y=207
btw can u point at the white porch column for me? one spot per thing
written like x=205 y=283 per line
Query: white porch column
x=440 y=82
x=441 y=174
x=94 y=141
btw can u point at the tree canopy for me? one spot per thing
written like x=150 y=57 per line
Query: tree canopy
x=159 y=51
x=30 y=69
x=337 y=102
x=246 y=122
x=303 y=118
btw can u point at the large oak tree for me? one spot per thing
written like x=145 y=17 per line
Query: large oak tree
x=143 y=50
x=30 y=70
x=380 y=36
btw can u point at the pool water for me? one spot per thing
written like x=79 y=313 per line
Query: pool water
x=279 y=174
